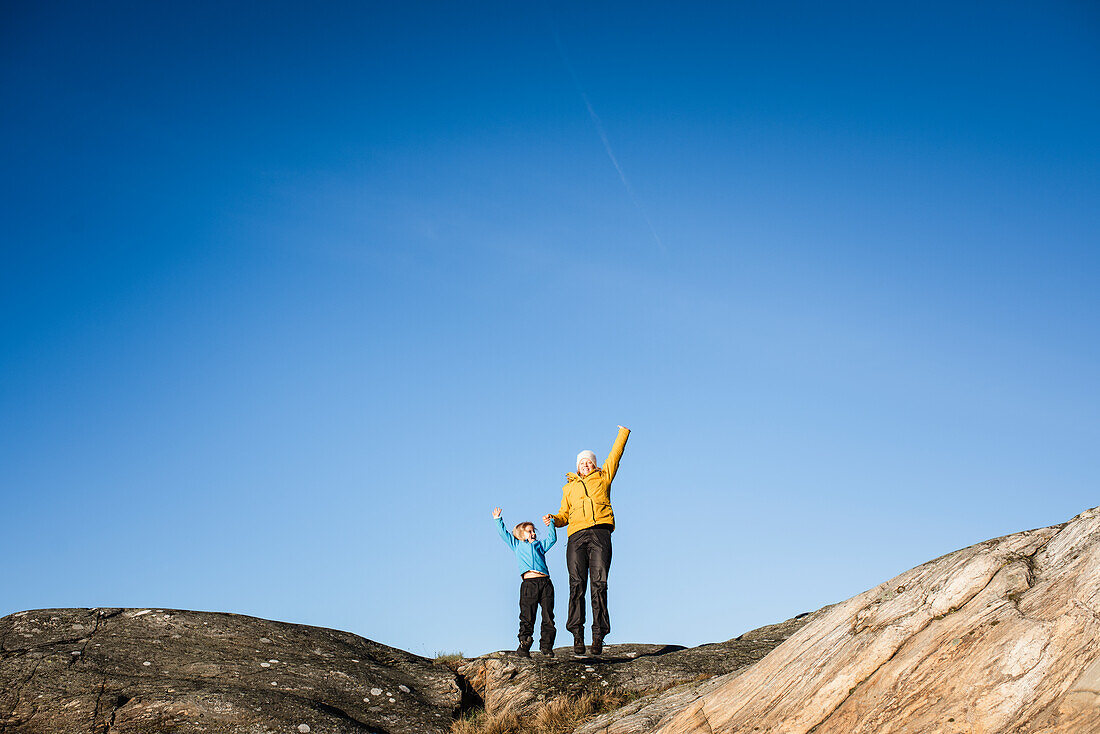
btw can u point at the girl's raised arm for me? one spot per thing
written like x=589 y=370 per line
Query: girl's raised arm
x=504 y=534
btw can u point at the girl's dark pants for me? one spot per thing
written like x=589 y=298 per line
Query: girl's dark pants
x=532 y=593
x=588 y=554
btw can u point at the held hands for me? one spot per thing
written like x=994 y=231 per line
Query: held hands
x=547 y=519
x=496 y=513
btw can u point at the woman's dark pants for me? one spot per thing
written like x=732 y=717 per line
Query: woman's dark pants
x=589 y=554
x=532 y=593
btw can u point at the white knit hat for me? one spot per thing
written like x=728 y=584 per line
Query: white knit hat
x=586 y=453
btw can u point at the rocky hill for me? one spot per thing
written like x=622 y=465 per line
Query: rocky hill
x=122 y=671
x=1003 y=636
x=165 y=670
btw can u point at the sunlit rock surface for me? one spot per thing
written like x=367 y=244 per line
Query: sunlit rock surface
x=1003 y=636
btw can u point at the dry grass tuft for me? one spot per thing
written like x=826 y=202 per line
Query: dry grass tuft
x=448 y=659
x=480 y=722
x=561 y=715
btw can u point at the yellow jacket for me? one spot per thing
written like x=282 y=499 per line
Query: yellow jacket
x=586 y=501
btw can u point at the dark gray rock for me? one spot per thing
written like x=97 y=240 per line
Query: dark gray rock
x=164 y=670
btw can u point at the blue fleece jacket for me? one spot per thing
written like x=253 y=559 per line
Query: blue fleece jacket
x=529 y=556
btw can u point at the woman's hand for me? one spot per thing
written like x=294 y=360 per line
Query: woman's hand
x=496 y=513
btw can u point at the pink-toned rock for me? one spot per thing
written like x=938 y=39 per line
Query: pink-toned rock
x=1003 y=636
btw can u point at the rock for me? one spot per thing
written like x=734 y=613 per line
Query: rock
x=647 y=712
x=141 y=671
x=1003 y=636
x=511 y=684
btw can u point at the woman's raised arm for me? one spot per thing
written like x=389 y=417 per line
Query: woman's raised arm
x=612 y=464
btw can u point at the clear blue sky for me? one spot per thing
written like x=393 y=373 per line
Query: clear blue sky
x=292 y=296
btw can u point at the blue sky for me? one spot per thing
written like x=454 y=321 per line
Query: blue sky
x=292 y=296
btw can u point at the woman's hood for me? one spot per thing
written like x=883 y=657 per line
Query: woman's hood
x=572 y=476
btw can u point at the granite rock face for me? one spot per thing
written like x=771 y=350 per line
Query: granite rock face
x=159 y=670
x=1003 y=636
x=508 y=683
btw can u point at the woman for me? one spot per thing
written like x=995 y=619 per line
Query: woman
x=586 y=509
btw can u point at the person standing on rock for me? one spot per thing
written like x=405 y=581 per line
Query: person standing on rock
x=586 y=509
x=536 y=588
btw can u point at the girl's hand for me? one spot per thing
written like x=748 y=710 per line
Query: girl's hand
x=496 y=513
x=547 y=519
